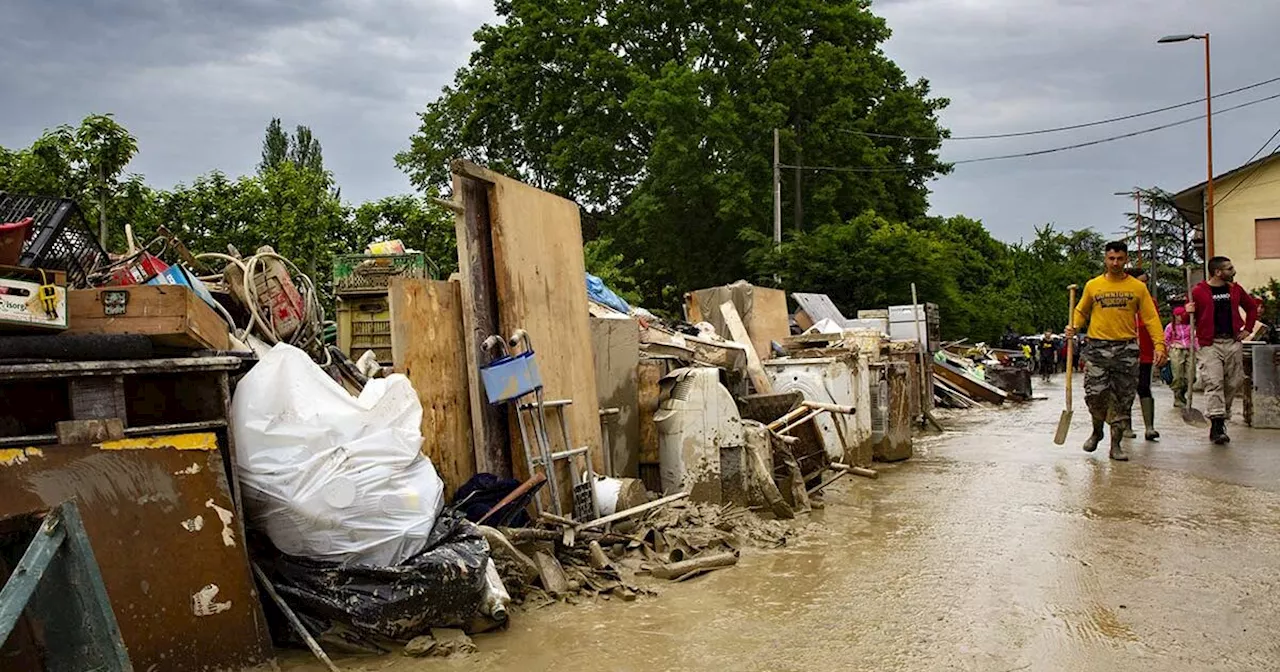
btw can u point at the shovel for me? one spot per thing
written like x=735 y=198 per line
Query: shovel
x=1190 y=415
x=1064 y=422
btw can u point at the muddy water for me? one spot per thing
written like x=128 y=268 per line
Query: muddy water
x=992 y=550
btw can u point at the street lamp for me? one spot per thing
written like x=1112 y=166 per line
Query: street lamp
x=1208 y=120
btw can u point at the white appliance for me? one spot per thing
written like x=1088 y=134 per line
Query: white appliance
x=695 y=422
x=832 y=380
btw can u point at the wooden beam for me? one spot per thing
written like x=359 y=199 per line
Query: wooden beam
x=489 y=430
x=755 y=370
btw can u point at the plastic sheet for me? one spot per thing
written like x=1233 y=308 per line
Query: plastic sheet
x=328 y=476
x=445 y=586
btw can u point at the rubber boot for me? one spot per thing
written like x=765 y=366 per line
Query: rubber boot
x=1118 y=432
x=1128 y=428
x=1218 y=431
x=1091 y=443
x=1149 y=418
x=1180 y=398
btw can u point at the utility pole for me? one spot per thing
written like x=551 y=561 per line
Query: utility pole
x=777 y=194
x=799 y=204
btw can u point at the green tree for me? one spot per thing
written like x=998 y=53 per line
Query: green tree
x=1044 y=268
x=660 y=118
x=85 y=163
x=302 y=149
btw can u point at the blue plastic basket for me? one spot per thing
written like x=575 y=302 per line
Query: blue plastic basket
x=511 y=377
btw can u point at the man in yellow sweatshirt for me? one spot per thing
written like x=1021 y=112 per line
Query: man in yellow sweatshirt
x=1108 y=306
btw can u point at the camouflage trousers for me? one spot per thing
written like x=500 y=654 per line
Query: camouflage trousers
x=1111 y=379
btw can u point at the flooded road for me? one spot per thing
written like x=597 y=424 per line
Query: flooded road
x=992 y=549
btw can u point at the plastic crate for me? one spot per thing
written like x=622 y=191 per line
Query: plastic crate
x=372 y=273
x=365 y=324
x=61 y=239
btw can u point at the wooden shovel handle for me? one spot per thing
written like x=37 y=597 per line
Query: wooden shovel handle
x=1071 y=342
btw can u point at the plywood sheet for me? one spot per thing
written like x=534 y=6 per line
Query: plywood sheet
x=763 y=311
x=540 y=277
x=616 y=344
x=767 y=320
x=429 y=347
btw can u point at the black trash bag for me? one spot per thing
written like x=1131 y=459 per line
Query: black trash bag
x=441 y=587
x=482 y=492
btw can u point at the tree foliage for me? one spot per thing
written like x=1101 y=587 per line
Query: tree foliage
x=659 y=119
x=85 y=163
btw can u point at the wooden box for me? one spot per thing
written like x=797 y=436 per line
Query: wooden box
x=172 y=315
x=20 y=306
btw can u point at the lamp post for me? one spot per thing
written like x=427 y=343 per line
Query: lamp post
x=1208 y=120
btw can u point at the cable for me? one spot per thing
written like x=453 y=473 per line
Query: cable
x=1039 y=152
x=1253 y=170
x=1072 y=127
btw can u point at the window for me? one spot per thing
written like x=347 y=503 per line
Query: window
x=1266 y=238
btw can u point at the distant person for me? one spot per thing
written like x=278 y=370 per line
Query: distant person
x=1177 y=337
x=1048 y=355
x=1110 y=306
x=1010 y=339
x=1215 y=306
x=1146 y=357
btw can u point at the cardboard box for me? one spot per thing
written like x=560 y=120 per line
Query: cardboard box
x=20 y=306
x=172 y=315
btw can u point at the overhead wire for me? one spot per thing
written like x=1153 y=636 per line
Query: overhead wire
x=1253 y=172
x=1040 y=152
x=1058 y=129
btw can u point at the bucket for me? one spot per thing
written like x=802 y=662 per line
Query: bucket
x=13 y=237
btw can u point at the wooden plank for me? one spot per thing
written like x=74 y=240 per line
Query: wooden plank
x=767 y=320
x=539 y=272
x=429 y=347
x=649 y=373
x=489 y=428
x=755 y=370
x=976 y=389
x=170 y=315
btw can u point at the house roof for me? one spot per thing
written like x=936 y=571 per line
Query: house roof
x=1190 y=201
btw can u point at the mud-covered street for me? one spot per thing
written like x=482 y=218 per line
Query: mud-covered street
x=992 y=549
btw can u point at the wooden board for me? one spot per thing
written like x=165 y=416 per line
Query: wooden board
x=755 y=370
x=649 y=393
x=616 y=346
x=763 y=311
x=170 y=315
x=767 y=320
x=429 y=347
x=976 y=389
x=539 y=277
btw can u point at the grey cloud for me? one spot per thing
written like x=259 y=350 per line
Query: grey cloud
x=1013 y=65
x=197 y=82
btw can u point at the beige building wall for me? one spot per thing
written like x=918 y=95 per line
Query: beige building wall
x=1234 y=215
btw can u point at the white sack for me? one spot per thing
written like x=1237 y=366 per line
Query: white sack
x=329 y=476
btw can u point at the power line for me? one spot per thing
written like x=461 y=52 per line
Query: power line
x=1039 y=152
x=1253 y=172
x=1072 y=127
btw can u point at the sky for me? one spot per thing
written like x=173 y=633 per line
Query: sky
x=196 y=83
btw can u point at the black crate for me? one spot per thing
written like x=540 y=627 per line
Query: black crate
x=61 y=239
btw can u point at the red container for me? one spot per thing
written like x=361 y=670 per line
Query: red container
x=13 y=237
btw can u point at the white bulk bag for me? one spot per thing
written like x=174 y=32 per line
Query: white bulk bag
x=329 y=476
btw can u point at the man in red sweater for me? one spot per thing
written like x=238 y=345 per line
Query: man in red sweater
x=1215 y=309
